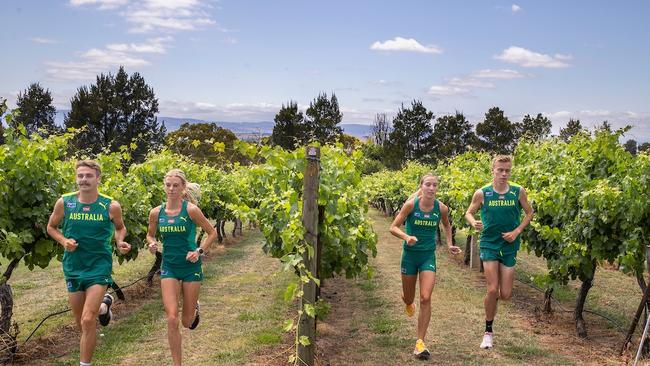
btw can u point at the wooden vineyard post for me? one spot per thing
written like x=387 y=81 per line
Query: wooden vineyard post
x=639 y=310
x=475 y=255
x=307 y=325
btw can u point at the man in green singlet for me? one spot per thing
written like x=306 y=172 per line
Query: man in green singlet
x=84 y=223
x=501 y=203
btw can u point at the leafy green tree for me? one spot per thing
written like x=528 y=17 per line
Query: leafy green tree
x=3 y=109
x=534 y=129
x=644 y=147
x=36 y=111
x=496 y=133
x=323 y=119
x=573 y=127
x=452 y=135
x=349 y=142
x=289 y=129
x=411 y=135
x=631 y=146
x=117 y=110
x=204 y=143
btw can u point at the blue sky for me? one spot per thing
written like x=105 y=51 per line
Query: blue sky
x=240 y=60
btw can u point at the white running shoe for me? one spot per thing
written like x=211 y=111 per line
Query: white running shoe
x=487 y=340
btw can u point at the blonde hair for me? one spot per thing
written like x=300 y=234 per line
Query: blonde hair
x=89 y=164
x=191 y=191
x=425 y=176
x=502 y=159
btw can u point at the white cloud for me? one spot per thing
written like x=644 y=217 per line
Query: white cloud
x=470 y=83
x=447 y=90
x=482 y=79
x=43 y=40
x=515 y=8
x=103 y=4
x=101 y=60
x=502 y=74
x=404 y=44
x=527 y=58
x=148 y=16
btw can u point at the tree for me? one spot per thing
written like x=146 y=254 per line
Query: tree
x=452 y=135
x=204 y=143
x=381 y=128
x=323 y=119
x=3 y=109
x=631 y=146
x=117 y=110
x=644 y=147
x=36 y=111
x=534 y=129
x=411 y=135
x=289 y=129
x=496 y=133
x=572 y=128
x=349 y=142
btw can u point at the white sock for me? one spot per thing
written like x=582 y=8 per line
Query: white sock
x=102 y=309
x=84 y=364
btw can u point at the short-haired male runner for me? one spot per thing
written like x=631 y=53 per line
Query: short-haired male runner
x=501 y=225
x=89 y=221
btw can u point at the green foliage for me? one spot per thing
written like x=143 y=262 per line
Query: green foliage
x=116 y=111
x=496 y=133
x=534 y=129
x=36 y=111
x=589 y=196
x=411 y=136
x=323 y=118
x=30 y=183
x=205 y=143
x=572 y=128
x=290 y=127
x=452 y=135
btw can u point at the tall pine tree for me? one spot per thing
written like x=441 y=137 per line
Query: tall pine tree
x=289 y=129
x=323 y=119
x=496 y=133
x=411 y=137
x=36 y=111
x=117 y=110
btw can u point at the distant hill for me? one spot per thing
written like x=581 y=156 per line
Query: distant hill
x=244 y=129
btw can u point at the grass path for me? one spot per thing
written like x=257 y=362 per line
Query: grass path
x=242 y=310
x=367 y=325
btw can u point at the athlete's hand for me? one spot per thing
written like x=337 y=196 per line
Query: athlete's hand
x=70 y=245
x=454 y=250
x=153 y=247
x=123 y=247
x=192 y=256
x=478 y=225
x=411 y=240
x=510 y=236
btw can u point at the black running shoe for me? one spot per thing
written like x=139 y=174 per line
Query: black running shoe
x=195 y=323
x=105 y=318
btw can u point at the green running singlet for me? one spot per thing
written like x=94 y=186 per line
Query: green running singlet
x=500 y=213
x=91 y=226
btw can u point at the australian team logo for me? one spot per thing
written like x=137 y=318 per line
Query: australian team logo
x=86 y=208
x=502 y=197
x=170 y=221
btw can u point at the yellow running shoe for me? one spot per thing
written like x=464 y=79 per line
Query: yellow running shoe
x=421 y=350
x=410 y=309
